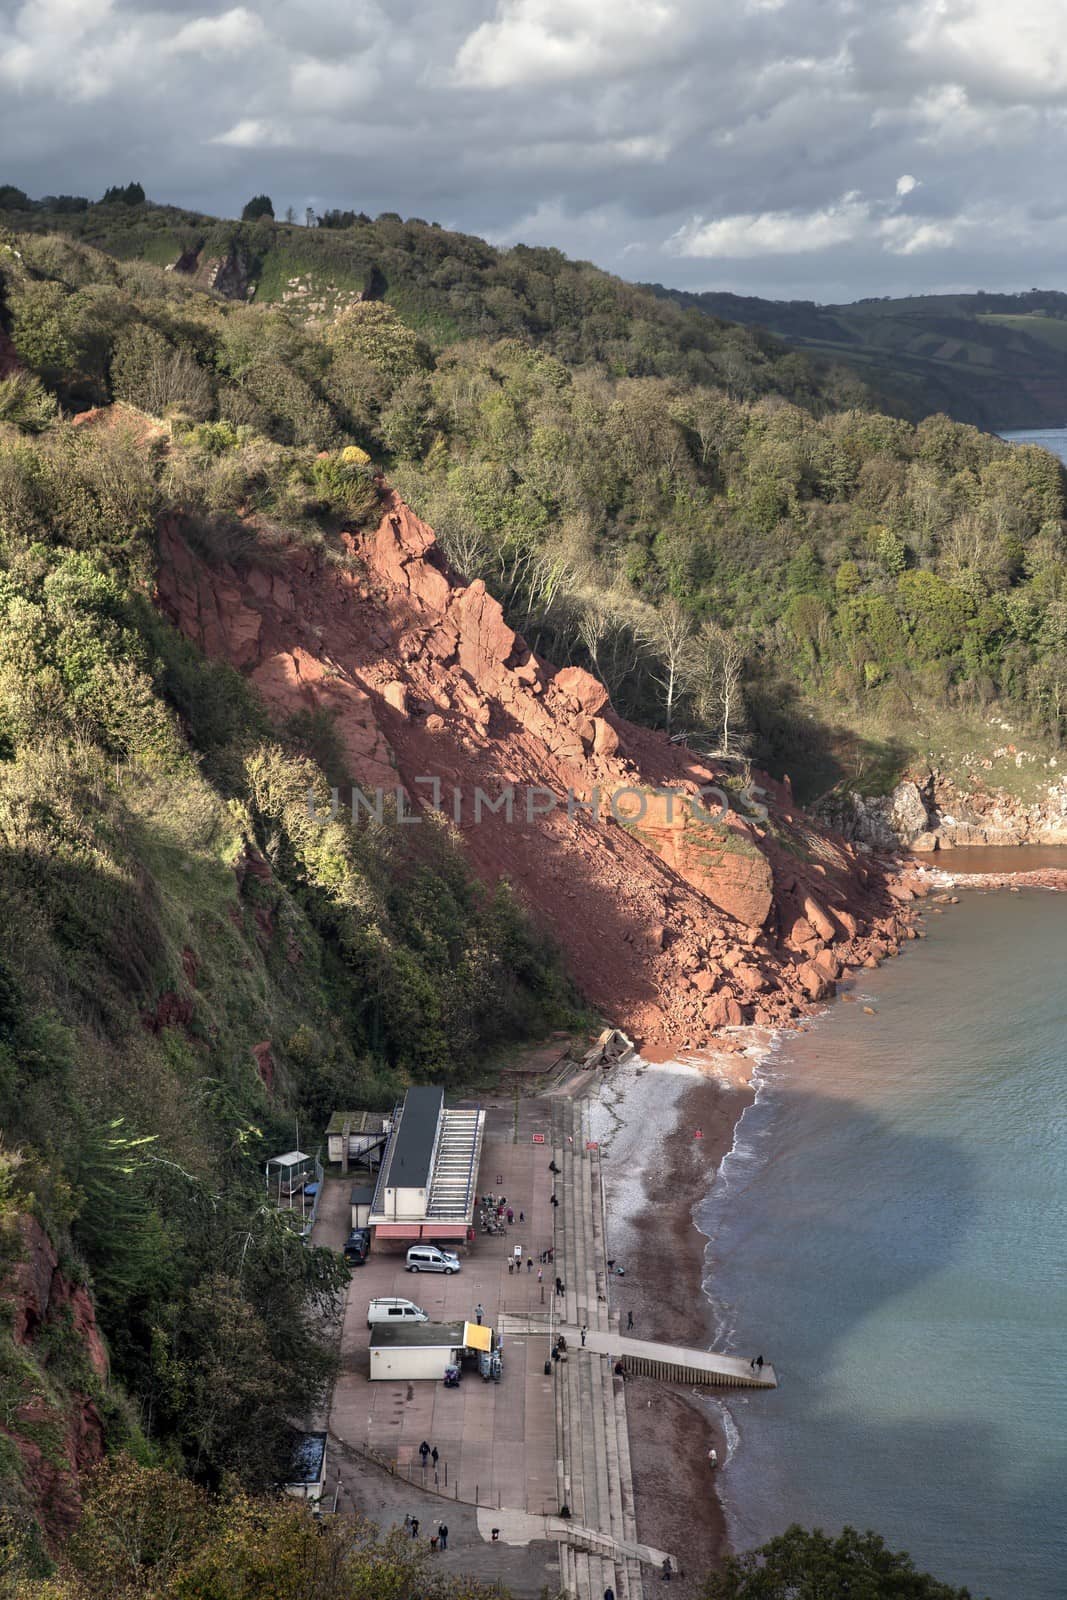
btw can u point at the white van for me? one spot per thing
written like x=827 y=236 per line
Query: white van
x=390 y=1309
x=427 y=1258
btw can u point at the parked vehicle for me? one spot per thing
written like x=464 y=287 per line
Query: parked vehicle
x=428 y=1258
x=390 y=1309
x=357 y=1246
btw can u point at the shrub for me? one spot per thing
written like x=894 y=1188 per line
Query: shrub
x=25 y=403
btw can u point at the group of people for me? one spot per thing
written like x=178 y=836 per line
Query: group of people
x=438 y=1540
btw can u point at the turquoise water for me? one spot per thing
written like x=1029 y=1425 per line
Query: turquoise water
x=891 y=1232
x=1054 y=439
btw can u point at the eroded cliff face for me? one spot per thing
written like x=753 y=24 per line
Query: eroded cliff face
x=675 y=920
x=49 y=1416
x=930 y=812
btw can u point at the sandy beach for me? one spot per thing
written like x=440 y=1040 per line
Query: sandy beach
x=656 y=1171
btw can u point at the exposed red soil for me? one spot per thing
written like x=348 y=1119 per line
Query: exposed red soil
x=671 y=927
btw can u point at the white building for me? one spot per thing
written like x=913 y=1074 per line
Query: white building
x=409 y=1351
x=427 y=1186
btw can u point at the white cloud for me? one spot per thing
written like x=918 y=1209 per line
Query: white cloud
x=226 y=34
x=773 y=233
x=333 y=86
x=253 y=133
x=850 y=221
x=554 y=41
x=1021 y=54
x=906 y=184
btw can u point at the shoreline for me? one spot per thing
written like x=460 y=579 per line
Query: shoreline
x=677 y=1499
x=671 y=1426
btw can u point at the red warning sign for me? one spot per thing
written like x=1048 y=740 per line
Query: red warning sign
x=538 y=1138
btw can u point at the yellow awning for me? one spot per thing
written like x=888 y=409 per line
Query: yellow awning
x=476 y=1336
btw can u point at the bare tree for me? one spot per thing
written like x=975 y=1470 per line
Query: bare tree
x=713 y=669
x=667 y=633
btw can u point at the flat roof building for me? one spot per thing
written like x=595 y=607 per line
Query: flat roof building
x=307 y=1467
x=413 y=1350
x=428 y=1180
x=356 y=1136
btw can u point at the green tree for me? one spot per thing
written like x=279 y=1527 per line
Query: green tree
x=803 y=1565
x=129 y=194
x=260 y=205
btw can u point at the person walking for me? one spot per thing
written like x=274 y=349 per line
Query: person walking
x=414 y=1527
x=752 y=1364
x=559 y=1285
x=609 y=1593
x=629 y=1320
x=713 y=1458
x=540 y=1274
x=522 y=1216
x=553 y=1199
x=407 y=1521
x=434 y=1457
x=511 y=1216
x=442 y=1534
x=511 y=1269
x=424 y=1450
x=585 y=1330
x=479 y=1313
x=759 y=1363
x=529 y=1263
x=667 y=1571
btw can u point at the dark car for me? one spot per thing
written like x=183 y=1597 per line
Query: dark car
x=357 y=1246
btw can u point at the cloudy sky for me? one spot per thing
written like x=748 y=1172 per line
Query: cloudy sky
x=824 y=149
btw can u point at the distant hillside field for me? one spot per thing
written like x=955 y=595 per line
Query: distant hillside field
x=997 y=360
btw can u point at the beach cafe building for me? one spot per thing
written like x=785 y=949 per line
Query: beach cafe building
x=427 y=1183
x=424 y=1349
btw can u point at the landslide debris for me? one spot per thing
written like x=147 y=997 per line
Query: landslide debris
x=675 y=921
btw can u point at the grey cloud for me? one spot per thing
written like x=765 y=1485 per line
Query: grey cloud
x=612 y=128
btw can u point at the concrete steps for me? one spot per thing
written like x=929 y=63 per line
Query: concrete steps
x=592 y=1440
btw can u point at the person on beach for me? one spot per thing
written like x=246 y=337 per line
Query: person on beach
x=667 y=1571
x=713 y=1458
x=479 y=1313
x=629 y=1320
x=759 y=1363
x=442 y=1534
x=585 y=1330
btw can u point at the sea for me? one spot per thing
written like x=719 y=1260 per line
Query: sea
x=890 y=1230
x=1054 y=439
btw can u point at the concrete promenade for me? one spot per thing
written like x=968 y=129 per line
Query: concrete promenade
x=510 y=1455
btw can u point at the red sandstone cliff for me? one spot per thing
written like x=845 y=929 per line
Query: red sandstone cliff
x=56 y=1431
x=672 y=927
